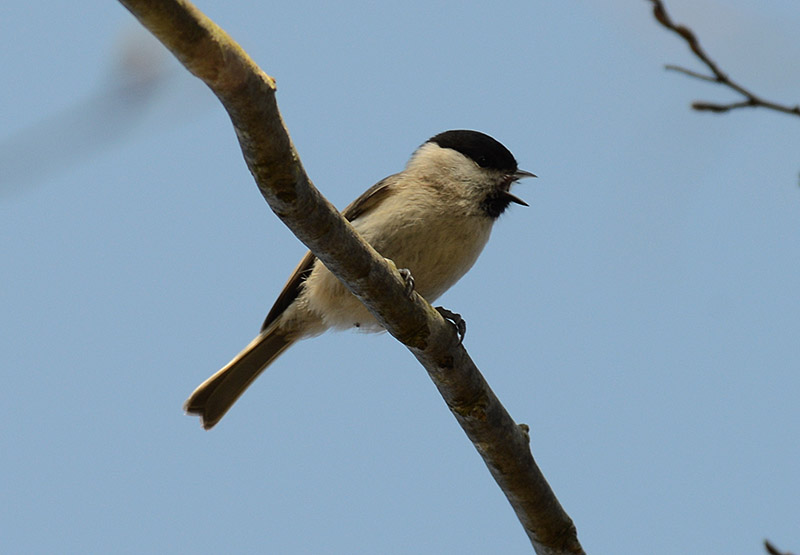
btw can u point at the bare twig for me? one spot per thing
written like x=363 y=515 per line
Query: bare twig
x=772 y=550
x=248 y=95
x=751 y=100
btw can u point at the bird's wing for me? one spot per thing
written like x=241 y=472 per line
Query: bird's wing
x=291 y=289
x=371 y=198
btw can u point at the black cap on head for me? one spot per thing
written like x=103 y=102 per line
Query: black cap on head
x=484 y=150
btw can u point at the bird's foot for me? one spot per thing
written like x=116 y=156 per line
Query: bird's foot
x=408 y=279
x=458 y=322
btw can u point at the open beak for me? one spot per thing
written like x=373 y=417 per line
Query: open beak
x=519 y=174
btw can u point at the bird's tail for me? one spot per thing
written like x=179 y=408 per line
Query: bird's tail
x=212 y=398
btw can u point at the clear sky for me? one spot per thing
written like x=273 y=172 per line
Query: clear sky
x=641 y=316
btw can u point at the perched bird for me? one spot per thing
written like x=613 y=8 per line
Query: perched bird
x=433 y=219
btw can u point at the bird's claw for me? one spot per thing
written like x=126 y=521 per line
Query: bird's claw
x=458 y=322
x=408 y=279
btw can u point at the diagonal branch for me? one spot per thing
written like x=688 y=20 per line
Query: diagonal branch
x=248 y=95
x=751 y=100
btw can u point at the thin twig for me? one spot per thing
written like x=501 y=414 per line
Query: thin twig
x=772 y=550
x=689 y=72
x=751 y=100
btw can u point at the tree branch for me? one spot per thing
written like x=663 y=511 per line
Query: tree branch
x=248 y=95
x=717 y=75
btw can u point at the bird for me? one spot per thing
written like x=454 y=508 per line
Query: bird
x=432 y=219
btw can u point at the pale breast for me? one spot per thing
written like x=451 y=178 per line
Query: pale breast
x=438 y=248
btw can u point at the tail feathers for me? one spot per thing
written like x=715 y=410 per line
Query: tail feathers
x=212 y=399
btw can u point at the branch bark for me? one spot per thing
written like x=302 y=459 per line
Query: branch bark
x=248 y=95
x=751 y=100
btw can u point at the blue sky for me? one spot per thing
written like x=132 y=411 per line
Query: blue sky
x=641 y=316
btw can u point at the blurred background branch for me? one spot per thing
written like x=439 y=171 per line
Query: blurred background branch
x=62 y=138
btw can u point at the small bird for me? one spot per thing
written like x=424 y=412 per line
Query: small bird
x=432 y=219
